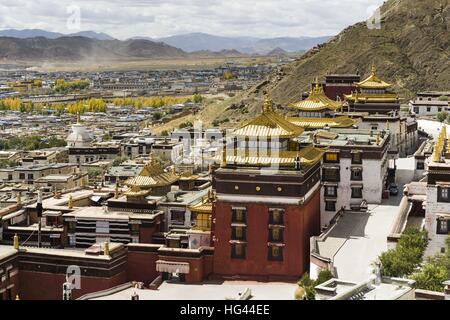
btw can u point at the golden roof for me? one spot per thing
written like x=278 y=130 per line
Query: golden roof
x=318 y=123
x=317 y=101
x=202 y=207
x=373 y=82
x=152 y=175
x=269 y=124
x=308 y=156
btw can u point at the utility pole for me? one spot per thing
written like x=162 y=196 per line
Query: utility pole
x=39 y=215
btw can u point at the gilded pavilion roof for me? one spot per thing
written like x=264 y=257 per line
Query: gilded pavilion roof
x=373 y=82
x=308 y=156
x=152 y=175
x=317 y=101
x=319 y=123
x=269 y=124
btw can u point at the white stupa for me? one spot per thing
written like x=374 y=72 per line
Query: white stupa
x=79 y=137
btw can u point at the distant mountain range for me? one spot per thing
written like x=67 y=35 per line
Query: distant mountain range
x=33 y=33
x=192 y=42
x=41 y=45
x=76 y=49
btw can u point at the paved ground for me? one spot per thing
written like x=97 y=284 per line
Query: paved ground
x=359 y=238
x=211 y=291
x=431 y=127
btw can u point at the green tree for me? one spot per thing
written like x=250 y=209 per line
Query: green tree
x=406 y=256
x=119 y=160
x=442 y=116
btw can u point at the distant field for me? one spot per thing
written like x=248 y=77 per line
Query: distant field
x=147 y=64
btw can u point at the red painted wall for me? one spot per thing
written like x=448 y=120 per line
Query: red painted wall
x=48 y=286
x=141 y=266
x=301 y=222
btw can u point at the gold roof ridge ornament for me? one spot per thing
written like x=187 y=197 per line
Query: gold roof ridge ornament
x=268 y=105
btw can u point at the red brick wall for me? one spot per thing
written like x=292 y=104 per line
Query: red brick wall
x=141 y=266
x=48 y=286
x=301 y=222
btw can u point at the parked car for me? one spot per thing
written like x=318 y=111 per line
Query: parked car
x=393 y=189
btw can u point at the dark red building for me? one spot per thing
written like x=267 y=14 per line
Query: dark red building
x=267 y=204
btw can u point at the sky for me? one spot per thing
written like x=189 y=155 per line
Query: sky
x=123 y=19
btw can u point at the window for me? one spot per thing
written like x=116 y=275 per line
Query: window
x=357 y=192
x=428 y=109
x=330 y=206
x=356 y=174
x=239 y=215
x=442 y=227
x=30 y=176
x=330 y=191
x=238 y=251
x=22 y=176
x=416 y=110
x=10 y=177
x=276 y=235
x=420 y=166
x=276 y=216
x=177 y=217
x=357 y=158
x=275 y=253
x=238 y=233
x=331 y=157
x=330 y=174
x=443 y=194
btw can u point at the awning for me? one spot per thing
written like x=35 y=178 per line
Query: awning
x=172 y=267
x=443 y=216
x=96 y=198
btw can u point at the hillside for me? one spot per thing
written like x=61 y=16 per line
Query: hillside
x=77 y=49
x=411 y=50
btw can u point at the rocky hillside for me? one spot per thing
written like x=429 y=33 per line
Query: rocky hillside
x=411 y=50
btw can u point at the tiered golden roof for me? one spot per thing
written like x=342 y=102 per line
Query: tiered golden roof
x=268 y=125
x=319 y=123
x=151 y=176
x=308 y=156
x=373 y=82
x=317 y=101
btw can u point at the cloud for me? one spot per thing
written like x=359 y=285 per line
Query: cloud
x=157 y=18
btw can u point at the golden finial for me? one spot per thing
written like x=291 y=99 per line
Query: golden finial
x=19 y=199
x=106 y=250
x=17 y=297
x=78 y=117
x=16 y=242
x=268 y=105
x=70 y=203
x=378 y=139
x=374 y=69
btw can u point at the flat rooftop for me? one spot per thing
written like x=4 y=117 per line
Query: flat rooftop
x=100 y=213
x=210 y=291
x=7 y=251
